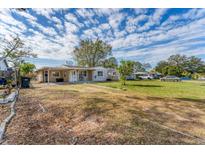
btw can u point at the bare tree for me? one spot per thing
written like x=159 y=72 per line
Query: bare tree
x=14 y=50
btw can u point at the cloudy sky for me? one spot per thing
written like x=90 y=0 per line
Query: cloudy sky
x=146 y=35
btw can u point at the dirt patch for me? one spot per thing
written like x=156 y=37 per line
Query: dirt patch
x=4 y=111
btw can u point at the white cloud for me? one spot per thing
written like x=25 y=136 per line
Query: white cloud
x=140 y=11
x=153 y=19
x=104 y=26
x=115 y=20
x=25 y=15
x=132 y=22
x=72 y=18
x=85 y=13
x=181 y=39
x=46 y=30
x=6 y=17
x=106 y=11
x=56 y=20
x=70 y=28
x=44 y=12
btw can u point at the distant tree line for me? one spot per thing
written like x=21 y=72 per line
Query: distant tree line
x=181 y=66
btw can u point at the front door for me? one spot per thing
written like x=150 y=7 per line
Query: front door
x=46 y=76
x=82 y=75
x=73 y=76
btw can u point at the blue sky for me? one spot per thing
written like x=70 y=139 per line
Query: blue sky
x=145 y=35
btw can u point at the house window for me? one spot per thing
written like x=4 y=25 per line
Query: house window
x=84 y=73
x=100 y=73
x=56 y=74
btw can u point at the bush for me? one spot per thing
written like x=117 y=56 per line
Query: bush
x=172 y=70
x=195 y=76
x=186 y=74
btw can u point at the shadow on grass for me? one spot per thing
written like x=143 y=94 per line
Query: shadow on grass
x=134 y=97
x=67 y=91
x=156 y=98
x=147 y=130
x=98 y=106
x=141 y=85
x=192 y=100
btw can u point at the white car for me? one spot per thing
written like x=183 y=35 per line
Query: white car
x=149 y=77
x=201 y=78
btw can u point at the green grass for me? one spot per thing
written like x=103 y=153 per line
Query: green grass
x=155 y=88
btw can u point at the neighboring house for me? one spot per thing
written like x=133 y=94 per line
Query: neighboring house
x=73 y=74
x=3 y=67
x=3 y=64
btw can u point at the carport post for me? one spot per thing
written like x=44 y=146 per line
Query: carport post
x=48 y=75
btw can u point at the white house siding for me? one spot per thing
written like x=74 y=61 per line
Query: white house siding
x=96 y=76
x=73 y=76
x=112 y=74
x=40 y=76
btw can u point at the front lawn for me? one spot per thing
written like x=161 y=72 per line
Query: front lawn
x=93 y=114
x=182 y=90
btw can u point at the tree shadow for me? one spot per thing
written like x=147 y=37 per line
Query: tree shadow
x=149 y=129
x=156 y=98
x=93 y=106
x=202 y=85
x=195 y=100
x=134 y=97
x=141 y=85
x=32 y=88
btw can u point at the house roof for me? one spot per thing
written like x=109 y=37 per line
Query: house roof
x=140 y=73
x=65 y=67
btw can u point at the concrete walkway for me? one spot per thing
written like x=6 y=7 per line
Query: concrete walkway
x=8 y=99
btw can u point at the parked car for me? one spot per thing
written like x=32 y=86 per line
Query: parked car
x=201 y=78
x=131 y=77
x=185 y=78
x=144 y=77
x=170 y=78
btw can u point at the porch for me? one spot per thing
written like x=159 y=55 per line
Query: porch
x=64 y=75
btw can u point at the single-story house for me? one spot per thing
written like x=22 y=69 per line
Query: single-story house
x=75 y=74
